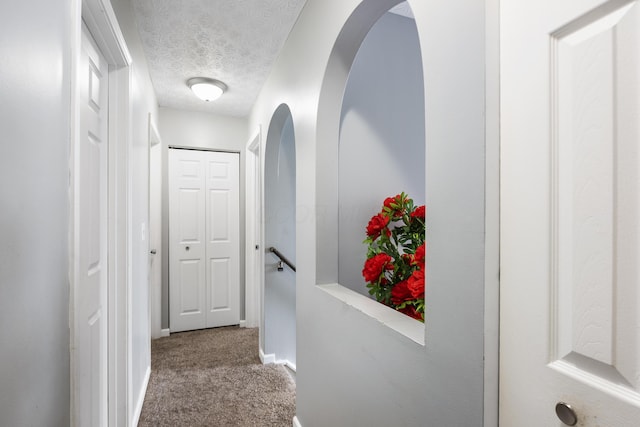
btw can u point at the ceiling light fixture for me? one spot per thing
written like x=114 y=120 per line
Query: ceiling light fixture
x=206 y=89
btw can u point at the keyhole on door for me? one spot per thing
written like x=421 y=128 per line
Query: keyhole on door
x=186 y=248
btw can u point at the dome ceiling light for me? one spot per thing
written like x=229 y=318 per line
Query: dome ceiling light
x=206 y=89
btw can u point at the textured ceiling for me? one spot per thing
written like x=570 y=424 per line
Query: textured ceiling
x=235 y=41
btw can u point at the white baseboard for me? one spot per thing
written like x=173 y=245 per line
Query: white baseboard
x=267 y=359
x=143 y=391
x=289 y=365
x=165 y=332
x=296 y=422
x=286 y=363
x=243 y=323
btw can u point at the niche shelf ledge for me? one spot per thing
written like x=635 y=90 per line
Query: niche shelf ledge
x=403 y=324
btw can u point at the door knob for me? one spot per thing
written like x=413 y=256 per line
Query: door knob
x=152 y=251
x=186 y=248
x=566 y=414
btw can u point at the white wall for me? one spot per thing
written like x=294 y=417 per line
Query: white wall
x=179 y=128
x=34 y=176
x=143 y=103
x=348 y=362
x=280 y=232
x=382 y=144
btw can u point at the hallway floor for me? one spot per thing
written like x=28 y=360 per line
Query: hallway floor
x=214 y=377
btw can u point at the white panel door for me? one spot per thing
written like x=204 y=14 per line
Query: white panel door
x=91 y=348
x=204 y=257
x=186 y=240
x=570 y=213
x=223 y=239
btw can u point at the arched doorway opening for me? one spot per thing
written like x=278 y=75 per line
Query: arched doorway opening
x=278 y=337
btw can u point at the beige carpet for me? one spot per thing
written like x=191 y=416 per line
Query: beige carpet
x=214 y=377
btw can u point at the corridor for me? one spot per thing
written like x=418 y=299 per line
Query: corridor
x=213 y=377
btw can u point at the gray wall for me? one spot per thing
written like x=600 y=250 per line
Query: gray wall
x=34 y=218
x=352 y=368
x=208 y=131
x=34 y=172
x=280 y=232
x=382 y=142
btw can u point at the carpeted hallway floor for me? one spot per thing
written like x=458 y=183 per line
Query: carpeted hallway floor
x=214 y=378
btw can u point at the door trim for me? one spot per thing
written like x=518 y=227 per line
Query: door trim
x=215 y=150
x=253 y=232
x=492 y=214
x=100 y=19
x=155 y=182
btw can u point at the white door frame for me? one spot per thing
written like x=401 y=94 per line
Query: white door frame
x=155 y=233
x=253 y=233
x=101 y=21
x=492 y=214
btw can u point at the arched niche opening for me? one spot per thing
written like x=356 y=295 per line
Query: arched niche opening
x=381 y=148
x=372 y=128
x=279 y=332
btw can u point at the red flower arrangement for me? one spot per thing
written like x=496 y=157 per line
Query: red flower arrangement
x=395 y=265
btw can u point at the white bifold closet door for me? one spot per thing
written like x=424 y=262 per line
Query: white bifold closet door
x=204 y=239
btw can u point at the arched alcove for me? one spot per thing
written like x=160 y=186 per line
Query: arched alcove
x=341 y=59
x=381 y=149
x=279 y=334
x=372 y=126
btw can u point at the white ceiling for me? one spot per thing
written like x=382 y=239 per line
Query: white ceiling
x=235 y=41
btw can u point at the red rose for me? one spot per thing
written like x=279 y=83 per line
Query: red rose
x=411 y=312
x=377 y=223
x=400 y=293
x=374 y=267
x=418 y=257
x=394 y=211
x=388 y=201
x=420 y=212
x=415 y=284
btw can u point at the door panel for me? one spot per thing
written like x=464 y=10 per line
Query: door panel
x=189 y=207
x=223 y=239
x=570 y=235
x=596 y=241
x=219 y=222
x=205 y=233
x=186 y=248
x=220 y=276
x=190 y=278
x=91 y=348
